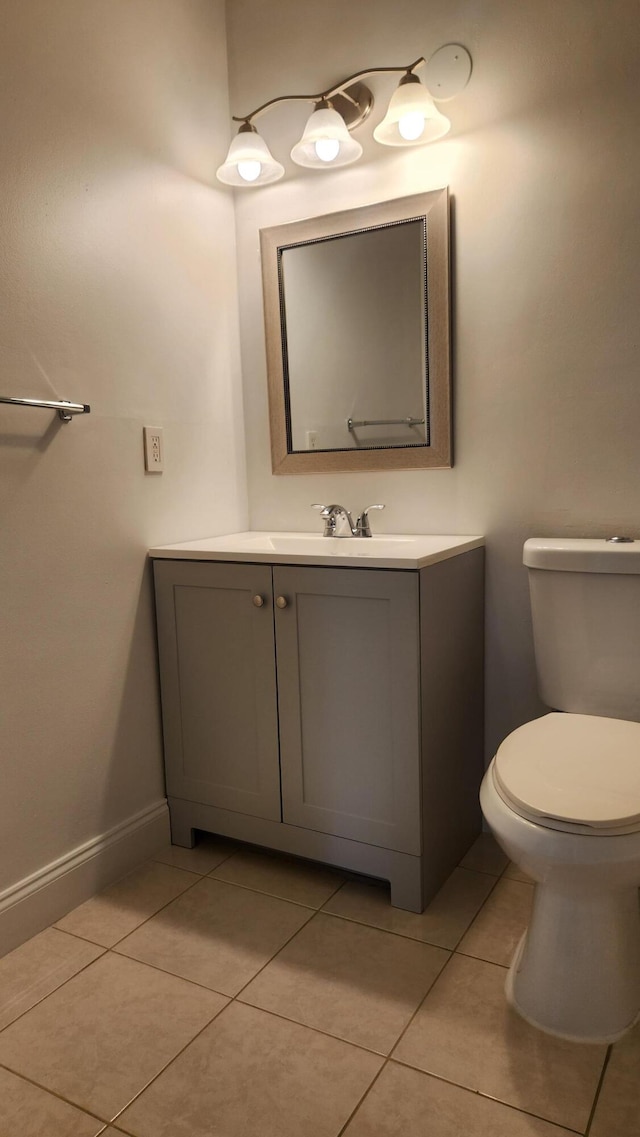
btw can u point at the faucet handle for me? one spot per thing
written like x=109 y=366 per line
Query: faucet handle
x=329 y=518
x=363 y=526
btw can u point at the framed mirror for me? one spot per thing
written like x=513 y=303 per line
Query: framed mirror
x=357 y=325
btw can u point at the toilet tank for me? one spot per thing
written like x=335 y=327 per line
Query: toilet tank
x=585 y=605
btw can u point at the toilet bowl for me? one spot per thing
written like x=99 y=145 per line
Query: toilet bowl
x=562 y=797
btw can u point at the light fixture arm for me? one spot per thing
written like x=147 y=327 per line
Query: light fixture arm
x=338 y=89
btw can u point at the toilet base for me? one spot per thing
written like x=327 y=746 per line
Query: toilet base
x=576 y=971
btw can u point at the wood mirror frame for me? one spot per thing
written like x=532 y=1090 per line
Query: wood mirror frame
x=433 y=207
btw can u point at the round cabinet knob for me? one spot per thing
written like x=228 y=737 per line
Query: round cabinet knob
x=258 y=601
x=281 y=602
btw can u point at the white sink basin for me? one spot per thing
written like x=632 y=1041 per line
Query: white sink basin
x=387 y=550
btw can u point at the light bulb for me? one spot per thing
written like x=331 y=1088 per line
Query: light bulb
x=411 y=125
x=327 y=149
x=249 y=170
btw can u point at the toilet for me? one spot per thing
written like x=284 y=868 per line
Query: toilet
x=562 y=794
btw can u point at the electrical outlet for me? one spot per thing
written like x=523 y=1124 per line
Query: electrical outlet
x=312 y=440
x=153 y=449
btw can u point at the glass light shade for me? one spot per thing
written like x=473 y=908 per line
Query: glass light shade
x=412 y=117
x=326 y=126
x=249 y=162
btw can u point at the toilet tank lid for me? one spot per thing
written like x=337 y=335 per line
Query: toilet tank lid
x=582 y=554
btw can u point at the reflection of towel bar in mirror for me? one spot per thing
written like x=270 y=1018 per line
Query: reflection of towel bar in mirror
x=353 y=423
x=65 y=409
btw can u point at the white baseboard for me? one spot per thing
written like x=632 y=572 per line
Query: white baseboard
x=30 y=905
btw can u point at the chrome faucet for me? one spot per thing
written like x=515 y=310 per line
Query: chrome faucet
x=331 y=513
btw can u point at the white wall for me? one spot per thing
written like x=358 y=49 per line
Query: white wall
x=117 y=273
x=543 y=164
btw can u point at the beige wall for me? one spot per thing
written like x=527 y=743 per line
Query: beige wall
x=117 y=275
x=543 y=165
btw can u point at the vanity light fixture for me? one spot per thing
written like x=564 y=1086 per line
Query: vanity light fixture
x=412 y=119
x=249 y=161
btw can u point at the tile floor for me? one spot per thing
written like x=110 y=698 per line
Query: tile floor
x=226 y=992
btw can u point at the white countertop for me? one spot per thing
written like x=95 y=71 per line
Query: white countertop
x=387 y=550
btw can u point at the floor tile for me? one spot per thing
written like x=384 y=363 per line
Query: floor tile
x=216 y=934
x=442 y=923
x=500 y=925
x=354 y=982
x=512 y=872
x=465 y=1032
x=112 y=914
x=406 y=1103
x=207 y=854
x=618 y=1109
x=485 y=855
x=286 y=877
x=99 y=1039
x=251 y=1073
x=28 y=1111
x=37 y=967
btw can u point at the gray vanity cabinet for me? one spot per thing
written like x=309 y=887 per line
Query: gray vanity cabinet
x=332 y=713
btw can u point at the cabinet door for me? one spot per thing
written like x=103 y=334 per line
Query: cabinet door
x=217 y=669
x=348 y=695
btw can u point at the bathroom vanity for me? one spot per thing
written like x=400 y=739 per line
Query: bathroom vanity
x=323 y=697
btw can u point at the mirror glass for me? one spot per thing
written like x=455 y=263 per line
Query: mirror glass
x=353 y=332
x=356 y=311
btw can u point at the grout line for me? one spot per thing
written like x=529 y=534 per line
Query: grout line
x=56 y=1094
x=197 y=872
x=58 y=988
x=167 y=1064
x=361 y=1100
x=420 y=1005
x=173 y=974
x=478 y=913
x=77 y=936
x=157 y=911
x=483 y=872
x=107 y=947
x=482 y=959
x=385 y=931
x=178 y=868
x=273 y=895
x=83 y=939
x=276 y=954
x=480 y=909
x=305 y=1026
x=483 y=1094
x=605 y=1064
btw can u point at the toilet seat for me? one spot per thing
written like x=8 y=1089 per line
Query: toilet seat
x=573 y=773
